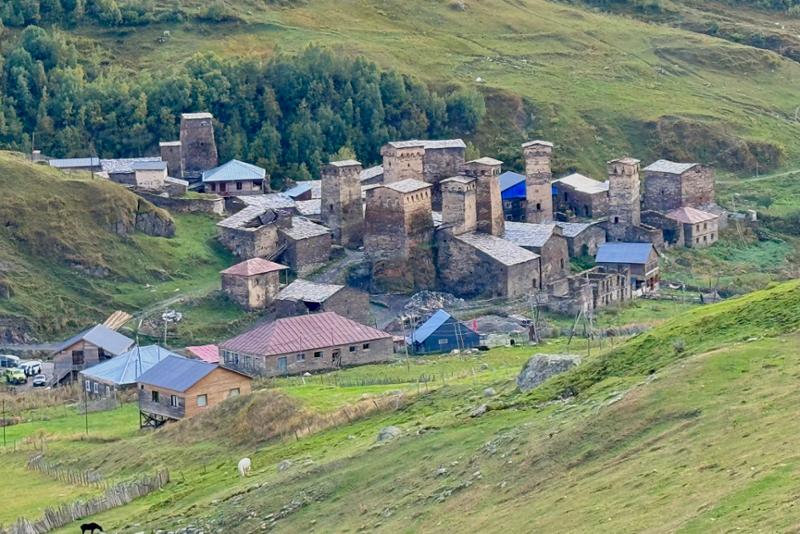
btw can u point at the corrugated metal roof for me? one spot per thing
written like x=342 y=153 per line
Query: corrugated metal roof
x=690 y=215
x=501 y=250
x=584 y=184
x=297 y=190
x=234 y=170
x=308 y=291
x=128 y=366
x=510 y=179
x=102 y=337
x=74 y=163
x=670 y=167
x=528 y=234
x=430 y=326
x=301 y=334
x=253 y=266
x=206 y=353
x=634 y=253
x=176 y=373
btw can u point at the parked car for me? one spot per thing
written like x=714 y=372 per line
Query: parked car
x=31 y=367
x=16 y=376
x=39 y=381
x=9 y=360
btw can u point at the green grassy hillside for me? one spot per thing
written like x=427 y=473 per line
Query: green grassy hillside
x=600 y=85
x=65 y=260
x=696 y=440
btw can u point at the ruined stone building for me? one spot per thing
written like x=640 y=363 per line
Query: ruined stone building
x=197 y=144
x=579 y=196
x=669 y=185
x=538 y=175
x=150 y=174
x=590 y=290
x=398 y=235
x=697 y=228
x=341 y=206
x=584 y=238
x=548 y=242
x=307 y=245
x=253 y=284
x=302 y=297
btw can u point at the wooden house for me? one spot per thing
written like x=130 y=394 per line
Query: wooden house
x=442 y=333
x=86 y=349
x=120 y=373
x=176 y=388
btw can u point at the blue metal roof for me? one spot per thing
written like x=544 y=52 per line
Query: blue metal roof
x=128 y=366
x=100 y=336
x=176 y=373
x=430 y=326
x=636 y=253
x=234 y=170
x=510 y=179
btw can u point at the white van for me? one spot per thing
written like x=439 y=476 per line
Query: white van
x=31 y=367
x=8 y=360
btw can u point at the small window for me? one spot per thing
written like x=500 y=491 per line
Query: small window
x=234 y=393
x=538 y=206
x=173 y=401
x=301 y=357
x=96 y=387
x=154 y=396
x=352 y=348
x=238 y=186
x=202 y=400
x=712 y=236
x=365 y=346
x=616 y=220
x=705 y=226
x=318 y=354
x=88 y=386
x=443 y=341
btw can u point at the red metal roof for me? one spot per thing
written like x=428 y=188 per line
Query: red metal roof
x=253 y=267
x=207 y=353
x=302 y=333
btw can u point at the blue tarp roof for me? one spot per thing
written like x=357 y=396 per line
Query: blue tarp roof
x=636 y=253
x=430 y=326
x=176 y=373
x=128 y=366
x=100 y=336
x=510 y=179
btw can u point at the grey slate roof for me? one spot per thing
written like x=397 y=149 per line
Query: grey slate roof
x=633 y=253
x=345 y=163
x=197 y=115
x=100 y=336
x=242 y=217
x=128 y=366
x=528 y=234
x=571 y=229
x=308 y=291
x=501 y=250
x=123 y=165
x=176 y=373
x=149 y=165
x=234 y=170
x=537 y=142
x=74 y=163
x=486 y=161
x=583 y=183
x=371 y=172
x=309 y=208
x=302 y=228
x=269 y=201
x=409 y=185
x=669 y=167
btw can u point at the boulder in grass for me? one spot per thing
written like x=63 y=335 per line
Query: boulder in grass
x=540 y=367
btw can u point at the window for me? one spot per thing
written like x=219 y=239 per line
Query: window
x=712 y=236
x=202 y=400
x=365 y=346
x=173 y=401
x=213 y=187
x=352 y=348
x=301 y=357
x=562 y=263
x=96 y=388
x=233 y=393
x=616 y=220
x=705 y=226
x=538 y=206
x=77 y=357
x=442 y=341
x=238 y=186
x=88 y=385
x=154 y=396
x=318 y=354
x=222 y=187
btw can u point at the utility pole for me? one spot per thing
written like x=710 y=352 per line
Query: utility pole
x=4 y=423
x=85 y=410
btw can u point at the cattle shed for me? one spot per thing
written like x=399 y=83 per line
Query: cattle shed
x=442 y=333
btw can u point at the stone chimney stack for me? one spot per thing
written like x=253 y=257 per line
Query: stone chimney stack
x=403 y=160
x=624 y=208
x=341 y=206
x=486 y=172
x=459 y=204
x=538 y=176
x=198 y=148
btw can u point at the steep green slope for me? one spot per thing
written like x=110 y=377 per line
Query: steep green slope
x=70 y=252
x=598 y=84
x=700 y=441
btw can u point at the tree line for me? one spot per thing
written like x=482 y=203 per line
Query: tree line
x=290 y=114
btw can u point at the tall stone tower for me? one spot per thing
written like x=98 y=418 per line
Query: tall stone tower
x=171 y=153
x=538 y=176
x=403 y=160
x=486 y=172
x=341 y=207
x=198 y=148
x=459 y=204
x=624 y=208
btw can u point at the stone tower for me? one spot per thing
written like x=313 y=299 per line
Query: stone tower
x=624 y=209
x=171 y=153
x=459 y=204
x=198 y=148
x=538 y=176
x=403 y=160
x=341 y=207
x=486 y=172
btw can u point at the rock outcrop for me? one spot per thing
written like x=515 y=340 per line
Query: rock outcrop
x=540 y=367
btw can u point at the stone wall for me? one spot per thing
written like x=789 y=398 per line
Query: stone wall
x=439 y=164
x=586 y=242
x=252 y=292
x=667 y=191
x=150 y=179
x=624 y=208
x=171 y=153
x=459 y=205
x=538 y=175
x=580 y=203
x=307 y=255
x=198 y=147
x=248 y=243
x=215 y=206
x=702 y=234
x=341 y=206
x=403 y=163
x=671 y=230
x=554 y=259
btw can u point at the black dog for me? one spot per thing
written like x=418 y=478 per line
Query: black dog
x=91 y=527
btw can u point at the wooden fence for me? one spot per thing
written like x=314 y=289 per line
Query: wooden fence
x=115 y=496
x=74 y=478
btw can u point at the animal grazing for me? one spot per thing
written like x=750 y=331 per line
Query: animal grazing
x=91 y=527
x=244 y=467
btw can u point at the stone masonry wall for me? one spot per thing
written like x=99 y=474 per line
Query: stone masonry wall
x=439 y=164
x=248 y=243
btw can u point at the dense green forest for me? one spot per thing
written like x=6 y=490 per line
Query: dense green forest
x=290 y=114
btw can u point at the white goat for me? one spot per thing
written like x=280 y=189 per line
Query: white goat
x=244 y=467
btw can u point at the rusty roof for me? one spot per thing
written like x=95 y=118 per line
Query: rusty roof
x=253 y=266
x=690 y=215
x=301 y=334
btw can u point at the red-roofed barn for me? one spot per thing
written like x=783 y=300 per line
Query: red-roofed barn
x=314 y=342
x=252 y=284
